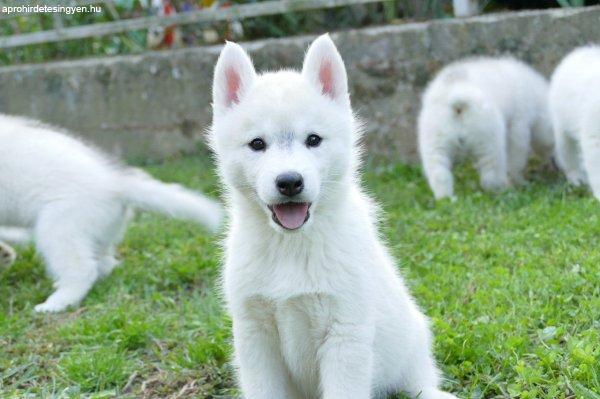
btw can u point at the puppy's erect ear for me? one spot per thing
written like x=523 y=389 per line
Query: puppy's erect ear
x=234 y=74
x=324 y=67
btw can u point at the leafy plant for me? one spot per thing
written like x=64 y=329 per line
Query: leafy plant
x=293 y=23
x=571 y=3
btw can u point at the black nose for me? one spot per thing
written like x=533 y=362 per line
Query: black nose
x=290 y=183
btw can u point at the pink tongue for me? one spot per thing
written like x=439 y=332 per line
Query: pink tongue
x=291 y=215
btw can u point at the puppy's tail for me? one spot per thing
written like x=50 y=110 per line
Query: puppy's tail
x=143 y=192
x=463 y=100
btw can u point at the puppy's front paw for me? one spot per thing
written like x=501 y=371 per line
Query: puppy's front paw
x=7 y=255
x=62 y=298
x=49 y=307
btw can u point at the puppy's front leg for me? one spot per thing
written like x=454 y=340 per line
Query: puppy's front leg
x=346 y=361
x=262 y=372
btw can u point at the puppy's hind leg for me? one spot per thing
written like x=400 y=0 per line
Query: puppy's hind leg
x=590 y=148
x=7 y=255
x=489 y=149
x=437 y=166
x=568 y=156
x=518 y=148
x=436 y=153
x=542 y=139
x=113 y=235
x=66 y=246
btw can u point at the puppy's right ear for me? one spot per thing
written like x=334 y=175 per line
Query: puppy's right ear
x=234 y=74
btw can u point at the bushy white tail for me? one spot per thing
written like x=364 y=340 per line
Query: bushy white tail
x=463 y=99
x=143 y=192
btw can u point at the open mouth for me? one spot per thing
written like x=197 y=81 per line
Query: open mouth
x=290 y=215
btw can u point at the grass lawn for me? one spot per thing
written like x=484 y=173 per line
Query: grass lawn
x=511 y=282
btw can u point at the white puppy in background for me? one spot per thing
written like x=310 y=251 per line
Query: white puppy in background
x=73 y=201
x=575 y=108
x=492 y=109
x=318 y=307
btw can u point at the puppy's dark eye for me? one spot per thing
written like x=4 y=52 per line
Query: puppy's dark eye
x=313 y=140
x=258 y=144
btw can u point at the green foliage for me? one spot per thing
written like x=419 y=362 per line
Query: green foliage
x=511 y=282
x=294 y=23
x=571 y=3
x=132 y=42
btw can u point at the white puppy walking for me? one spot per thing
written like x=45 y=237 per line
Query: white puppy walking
x=319 y=310
x=74 y=202
x=493 y=109
x=575 y=108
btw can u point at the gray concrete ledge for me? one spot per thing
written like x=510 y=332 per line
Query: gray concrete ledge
x=157 y=104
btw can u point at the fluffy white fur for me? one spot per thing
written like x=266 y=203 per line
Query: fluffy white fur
x=73 y=201
x=575 y=108
x=492 y=109
x=320 y=311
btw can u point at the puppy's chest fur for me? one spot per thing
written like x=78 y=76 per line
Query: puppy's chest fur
x=298 y=295
x=284 y=270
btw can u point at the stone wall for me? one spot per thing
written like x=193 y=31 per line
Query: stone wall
x=158 y=104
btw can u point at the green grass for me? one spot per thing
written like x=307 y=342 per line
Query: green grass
x=511 y=282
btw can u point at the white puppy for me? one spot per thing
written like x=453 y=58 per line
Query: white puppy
x=494 y=110
x=575 y=108
x=75 y=201
x=318 y=307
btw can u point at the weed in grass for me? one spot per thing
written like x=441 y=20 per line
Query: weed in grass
x=95 y=370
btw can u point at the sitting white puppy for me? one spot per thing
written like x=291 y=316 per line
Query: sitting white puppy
x=319 y=309
x=575 y=108
x=494 y=110
x=75 y=202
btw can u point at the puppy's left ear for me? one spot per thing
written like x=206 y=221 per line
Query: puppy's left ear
x=324 y=68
